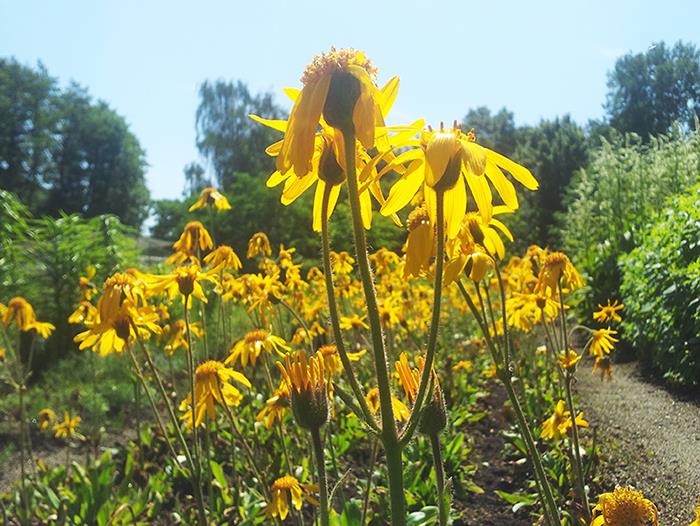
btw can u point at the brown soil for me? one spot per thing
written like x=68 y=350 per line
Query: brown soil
x=650 y=439
x=494 y=472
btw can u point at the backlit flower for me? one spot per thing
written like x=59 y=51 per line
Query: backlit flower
x=194 y=239
x=211 y=197
x=624 y=507
x=555 y=267
x=258 y=245
x=223 y=257
x=285 y=489
x=253 y=344
x=212 y=387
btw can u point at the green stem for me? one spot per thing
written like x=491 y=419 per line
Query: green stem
x=434 y=323
x=443 y=505
x=301 y=321
x=335 y=318
x=322 y=479
x=193 y=393
x=389 y=435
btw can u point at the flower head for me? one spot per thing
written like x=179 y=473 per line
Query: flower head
x=46 y=418
x=275 y=407
x=557 y=426
x=555 y=267
x=307 y=382
x=211 y=197
x=253 y=344
x=401 y=412
x=624 y=507
x=569 y=360
x=602 y=342
x=608 y=312
x=68 y=428
x=212 y=387
x=223 y=257
x=22 y=312
x=285 y=489
x=258 y=244
x=194 y=238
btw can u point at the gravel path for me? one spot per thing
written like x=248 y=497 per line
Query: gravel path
x=650 y=439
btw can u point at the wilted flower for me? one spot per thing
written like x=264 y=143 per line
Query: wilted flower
x=211 y=197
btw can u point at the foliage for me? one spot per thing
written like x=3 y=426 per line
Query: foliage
x=43 y=259
x=61 y=151
x=230 y=141
x=554 y=150
x=611 y=201
x=661 y=292
x=649 y=92
x=497 y=131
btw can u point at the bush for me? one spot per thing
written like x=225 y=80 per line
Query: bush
x=611 y=201
x=661 y=292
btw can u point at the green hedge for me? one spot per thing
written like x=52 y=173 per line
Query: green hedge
x=661 y=292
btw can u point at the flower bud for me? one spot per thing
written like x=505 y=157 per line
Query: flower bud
x=343 y=92
x=434 y=415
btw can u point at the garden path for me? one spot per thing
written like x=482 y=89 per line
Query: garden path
x=650 y=439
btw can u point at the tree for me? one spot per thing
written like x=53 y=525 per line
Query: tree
x=650 y=91
x=553 y=151
x=59 y=151
x=227 y=137
x=496 y=131
x=27 y=125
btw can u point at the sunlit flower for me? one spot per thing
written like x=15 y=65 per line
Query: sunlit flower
x=22 y=312
x=253 y=344
x=87 y=288
x=353 y=322
x=409 y=377
x=557 y=426
x=212 y=387
x=193 y=240
x=223 y=257
x=176 y=333
x=46 y=418
x=84 y=312
x=420 y=244
x=332 y=363
x=185 y=280
x=463 y=365
x=211 y=197
x=453 y=162
x=569 y=360
x=342 y=262
x=285 y=489
x=602 y=342
x=557 y=266
x=401 y=412
x=608 y=312
x=68 y=428
x=258 y=245
x=624 y=507
x=275 y=407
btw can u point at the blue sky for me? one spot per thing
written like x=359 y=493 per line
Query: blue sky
x=147 y=58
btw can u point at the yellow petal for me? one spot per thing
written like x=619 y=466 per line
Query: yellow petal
x=520 y=173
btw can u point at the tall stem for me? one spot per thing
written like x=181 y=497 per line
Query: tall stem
x=389 y=434
x=322 y=478
x=335 y=318
x=443 y=505
x=193 y=393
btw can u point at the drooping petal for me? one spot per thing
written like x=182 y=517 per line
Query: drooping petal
x=520 y=173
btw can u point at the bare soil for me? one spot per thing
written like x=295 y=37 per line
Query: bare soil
x=650 y=439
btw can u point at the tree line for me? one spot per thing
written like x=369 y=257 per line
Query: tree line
x=61 y=151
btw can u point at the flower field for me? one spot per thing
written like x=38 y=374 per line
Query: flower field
x=263 y=387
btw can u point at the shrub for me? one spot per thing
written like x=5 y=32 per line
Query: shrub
x=611 y=201
x=661 y=292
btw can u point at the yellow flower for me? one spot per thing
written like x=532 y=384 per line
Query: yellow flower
x=84 y=312
x=463 y=365
x=624 y=507
x=556 y=266
x=342 y=262
x=211 y=197
x=420 y=245
x=46 y=418
x=307 y=382
x=275 y=407
x=87 y=288
x=696 y=522
x=331 y=359
x=409 y=377
x=251 y=346
x=602 y=342
x=194 y=238
x=491 y=371
x=452 y=162
x=177 y=335
x=212 y=386
x=334 y=77
x=608 y=312
x=223 y=257
x=184 y=280
x=558 y=425
x=401 y=412
x=258 y=244
x=24 y=317
x=67 y=428
x=569 y=360
x=603 y=364
x=285 y=488
x=353 y=322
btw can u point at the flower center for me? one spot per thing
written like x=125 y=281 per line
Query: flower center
x=336 y=60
